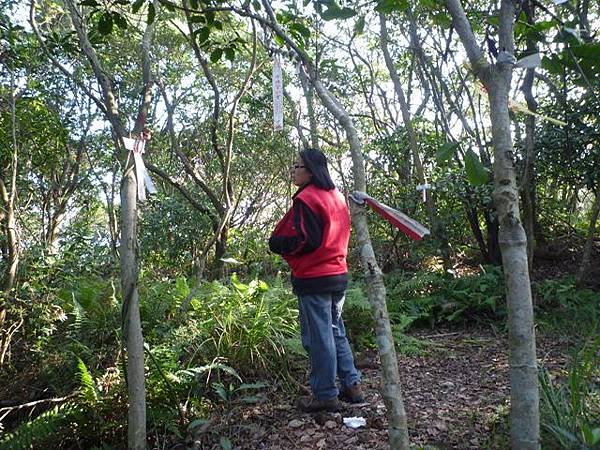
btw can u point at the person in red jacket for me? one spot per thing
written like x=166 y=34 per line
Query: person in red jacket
x=313 y=238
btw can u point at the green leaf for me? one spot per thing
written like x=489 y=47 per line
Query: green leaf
x=389 y=6
x=589 y=51
x=359 y=26
x=137 y=5
x=442 y=19
x=494 y=20
x=446 y=151
x=119 y=20
x=552 y=64
x=257 y=385
x=225 y=443
x=334 y=11
x=230 y=55
x=194 y=4
x=105 y=24
x=256 y=4
x=300 y=29
x=595 y=437
x=197 y=423
x=197 y=18
x=280 y=41
x=431 y=5
x=89 y=3
x=203 y=35
x=476 y=173
x=216 y=54
x=169 y=6
x=151 y=14
x=210 y=16
x=218 y=24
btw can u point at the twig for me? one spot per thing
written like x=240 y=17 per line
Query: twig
x=8 y=409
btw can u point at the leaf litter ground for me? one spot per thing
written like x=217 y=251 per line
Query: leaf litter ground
x=456 y=397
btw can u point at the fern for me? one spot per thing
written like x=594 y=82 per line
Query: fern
x=89 y=391
x=50 y=426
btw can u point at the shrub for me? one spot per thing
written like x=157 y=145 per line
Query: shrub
x=570 y=408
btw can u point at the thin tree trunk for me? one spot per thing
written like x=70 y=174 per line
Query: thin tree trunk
x=528 y=177
x=309 y=97
x=51 y=238
x=437 y=226
x=8 y=195
x=12 y=240
x=524 y=412
x=131 y=314
x=128 y=250
x=473 y=220
x=493 y=245
x=588 y=248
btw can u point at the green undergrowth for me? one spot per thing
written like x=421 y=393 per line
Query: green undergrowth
x=433 y=299
x=426 y=299
x=233 y=344
x=570 y=401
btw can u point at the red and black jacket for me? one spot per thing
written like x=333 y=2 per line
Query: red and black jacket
x=313 y=238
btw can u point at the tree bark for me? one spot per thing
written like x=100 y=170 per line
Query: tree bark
x=8 y=195
x=524 y=413
x=132 y=328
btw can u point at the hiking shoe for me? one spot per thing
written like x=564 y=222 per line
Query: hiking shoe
x=309 y=404
x=352 y=394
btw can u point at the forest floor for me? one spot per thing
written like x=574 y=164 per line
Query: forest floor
x=456 y=397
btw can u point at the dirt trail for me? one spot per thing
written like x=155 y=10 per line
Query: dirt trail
x=456 y=397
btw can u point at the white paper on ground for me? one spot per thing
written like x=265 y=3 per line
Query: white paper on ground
x=355 y=422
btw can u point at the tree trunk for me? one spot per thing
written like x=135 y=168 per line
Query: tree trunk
x=493 y=244
x=309 y=97
x=12 y=241
x=588 y=248
x=436 y=225
x=528 y=177
x=132 y=329
x=7 y=196
x=524 y=412
x=52 y=229
x=131 y=312
x=524 y=415
x=392 y=392
x=473 y=220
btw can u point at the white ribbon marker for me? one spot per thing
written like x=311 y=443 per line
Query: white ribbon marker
x=277 y=94
x=137 y=146
x=423 y=188
x=530 y=61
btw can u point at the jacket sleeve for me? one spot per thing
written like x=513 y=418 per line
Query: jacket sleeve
x=308 y=237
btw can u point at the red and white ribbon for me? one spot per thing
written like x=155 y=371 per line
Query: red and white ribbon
x=144 y=182
x=277 y=94
x=408 y=226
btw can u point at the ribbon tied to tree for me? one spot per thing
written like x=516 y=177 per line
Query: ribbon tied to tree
x=407 y=225
x=277 y=94
x=137 y=147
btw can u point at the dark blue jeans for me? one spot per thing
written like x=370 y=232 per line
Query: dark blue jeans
x=324 y=338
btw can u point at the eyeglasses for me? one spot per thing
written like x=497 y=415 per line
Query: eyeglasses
x=297 y=167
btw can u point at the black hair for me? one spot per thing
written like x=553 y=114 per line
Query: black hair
x=315 y=162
